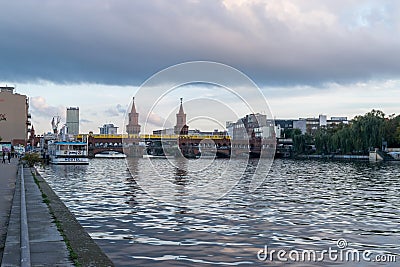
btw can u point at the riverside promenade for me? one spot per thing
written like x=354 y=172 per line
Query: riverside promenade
x=36 y=226
x=8 y=174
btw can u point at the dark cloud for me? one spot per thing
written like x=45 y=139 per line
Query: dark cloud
x=124 y=42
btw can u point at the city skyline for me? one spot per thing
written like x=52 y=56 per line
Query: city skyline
x=338 y=101
x=338 y=58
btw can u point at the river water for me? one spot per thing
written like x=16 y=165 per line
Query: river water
x=301 y=205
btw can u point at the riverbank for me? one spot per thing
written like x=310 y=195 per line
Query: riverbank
x=335 y=157
x=7 y=188
x=85 y=251
x=41 y=231
x=32 y=237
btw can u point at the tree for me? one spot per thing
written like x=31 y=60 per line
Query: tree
x=301 y=142
x=391 y=125
x=321 y=140
x=365 y=132
x=291 y=133
x=368 y=130
x=31 y=159
x=397 y=136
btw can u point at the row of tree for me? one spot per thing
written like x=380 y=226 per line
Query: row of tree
x=364 y=133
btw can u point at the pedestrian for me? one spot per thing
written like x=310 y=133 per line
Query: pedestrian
x=4 y=157
x=9 y=157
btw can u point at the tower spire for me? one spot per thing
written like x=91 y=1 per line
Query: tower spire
x=133 y=110
x=133 y=126
x=181 y=128
x=181 y=109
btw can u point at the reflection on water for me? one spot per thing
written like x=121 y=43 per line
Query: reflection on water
x=301 y=205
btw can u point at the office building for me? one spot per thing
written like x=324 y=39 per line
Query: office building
x=73 y=120
x=108 y=129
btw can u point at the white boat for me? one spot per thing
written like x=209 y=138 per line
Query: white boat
x=110 y=155
x=68 y=153
x=146 y=156
x=395 y=155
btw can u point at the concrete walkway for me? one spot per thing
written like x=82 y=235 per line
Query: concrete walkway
x=8 y=174
x=47 y=247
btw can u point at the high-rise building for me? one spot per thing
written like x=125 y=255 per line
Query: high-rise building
x=133 y=126
x=73 y=120
x=14 y=116
x=181 y=127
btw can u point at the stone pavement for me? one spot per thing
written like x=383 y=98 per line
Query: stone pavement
x=8 y=174
x=47 y=247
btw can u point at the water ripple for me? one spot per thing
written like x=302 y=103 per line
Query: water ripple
x=301 y=205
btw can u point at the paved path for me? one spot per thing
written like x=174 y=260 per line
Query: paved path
x=8 y=174
x=47 y=247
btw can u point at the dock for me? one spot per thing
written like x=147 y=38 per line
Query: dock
x=37 y=229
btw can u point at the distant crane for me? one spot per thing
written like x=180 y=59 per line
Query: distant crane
x=54 y=123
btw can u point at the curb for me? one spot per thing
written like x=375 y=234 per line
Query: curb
x=86 y=251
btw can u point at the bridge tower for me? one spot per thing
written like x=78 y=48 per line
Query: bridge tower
x=181 y=128
x=133 y=126
x=32 y=136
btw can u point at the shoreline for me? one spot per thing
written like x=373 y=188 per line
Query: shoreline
x=83 y=249
x=363 y=158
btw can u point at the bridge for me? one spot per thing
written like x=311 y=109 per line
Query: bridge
x=189 y=145
x=134 y=145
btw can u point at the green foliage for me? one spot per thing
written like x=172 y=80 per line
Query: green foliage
x=391 y=130
x=368 y=130
x=31 y=159
x=363 y=133
x=301 y=143
x=291 y=133
x=397 y=135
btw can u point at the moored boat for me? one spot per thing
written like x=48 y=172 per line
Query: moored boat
x=68 y=153
x=110 y=155
x=146 y=156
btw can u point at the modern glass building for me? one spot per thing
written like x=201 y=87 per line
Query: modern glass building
x=73 y=120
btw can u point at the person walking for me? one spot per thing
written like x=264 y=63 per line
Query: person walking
x=4 y=157
x=9 y=157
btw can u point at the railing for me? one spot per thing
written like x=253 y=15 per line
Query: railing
x=70 y=153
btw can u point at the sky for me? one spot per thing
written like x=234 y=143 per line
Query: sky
x=308 y=57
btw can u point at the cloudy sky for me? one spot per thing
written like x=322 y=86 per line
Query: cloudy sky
x=309 y=57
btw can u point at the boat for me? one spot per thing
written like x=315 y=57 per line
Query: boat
x=110 y=154
x=395 y=155
x=68 y=152
x=146 y=156
x=62 y=148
